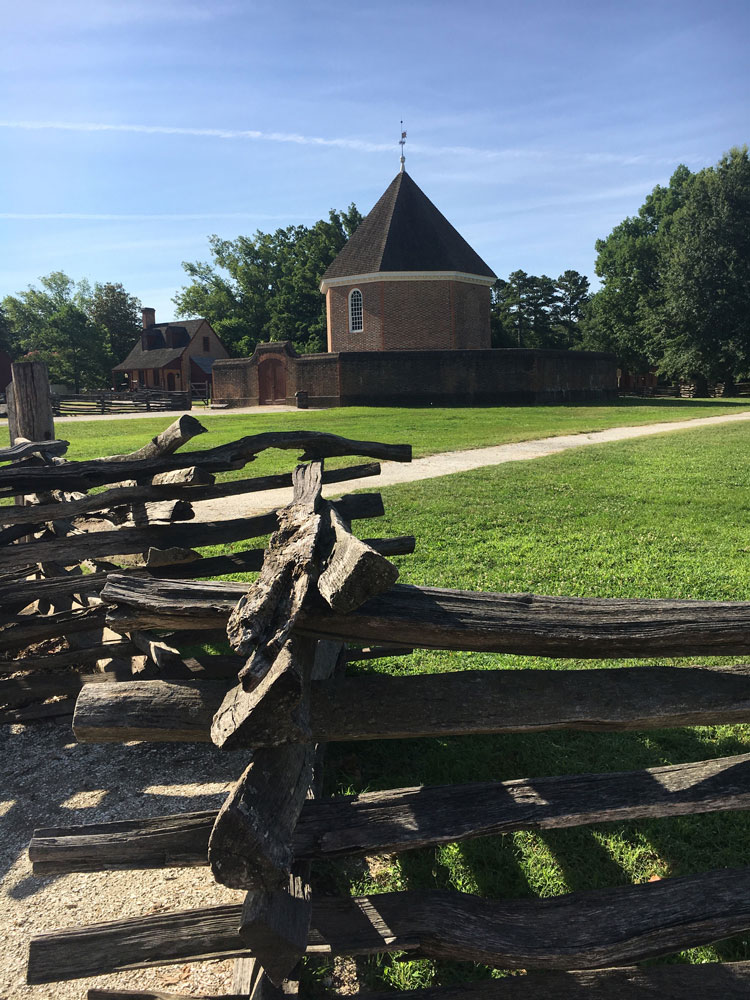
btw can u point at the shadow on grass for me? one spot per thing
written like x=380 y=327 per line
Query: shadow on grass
x=542 y=863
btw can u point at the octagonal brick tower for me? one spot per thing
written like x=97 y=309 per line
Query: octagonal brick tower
x=407 y=281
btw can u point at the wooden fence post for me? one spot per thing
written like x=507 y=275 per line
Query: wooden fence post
x=29 y=403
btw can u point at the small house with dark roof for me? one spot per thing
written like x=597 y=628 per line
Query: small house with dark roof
x=408 y=316
x=172 y=356
x=407 y=281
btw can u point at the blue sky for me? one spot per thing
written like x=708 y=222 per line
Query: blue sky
x=132 y=129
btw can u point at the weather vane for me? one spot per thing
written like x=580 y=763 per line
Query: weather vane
x=402 y=143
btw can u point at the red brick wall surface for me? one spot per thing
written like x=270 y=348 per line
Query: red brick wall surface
x=412 y=316
x=471 y=307
x=370 y=338
x=417 y=316
x=236 y=381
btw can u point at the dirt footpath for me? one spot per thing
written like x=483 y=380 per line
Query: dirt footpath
x=455 y=461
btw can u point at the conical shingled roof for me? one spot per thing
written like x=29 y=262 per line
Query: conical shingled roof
x=406 y=232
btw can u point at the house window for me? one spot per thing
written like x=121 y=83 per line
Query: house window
x=355 y=311
x=206 y=344
x=141 y=379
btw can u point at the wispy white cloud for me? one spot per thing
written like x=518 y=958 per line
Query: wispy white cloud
x=211 y=133
x=144 y=217
x=511 y=154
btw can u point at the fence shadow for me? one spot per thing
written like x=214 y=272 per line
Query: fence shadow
x=538 y=863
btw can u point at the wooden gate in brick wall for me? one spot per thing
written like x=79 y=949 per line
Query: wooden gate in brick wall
x=272 y=381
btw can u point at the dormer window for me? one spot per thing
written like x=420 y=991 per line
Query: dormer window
x=355 y=311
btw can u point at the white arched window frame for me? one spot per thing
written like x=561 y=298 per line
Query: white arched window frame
x=356 y=311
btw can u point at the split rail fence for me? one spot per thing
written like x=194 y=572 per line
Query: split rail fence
x=323 y=597
x=108 y=401
x=58 y=547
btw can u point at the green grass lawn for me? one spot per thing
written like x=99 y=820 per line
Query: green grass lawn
x=666 y=517
x=429 y=431
x=663 y=517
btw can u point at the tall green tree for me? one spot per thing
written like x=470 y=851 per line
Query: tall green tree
x=572 y=296
x=74 y=349
x=52 y=323
x=118 y=315
x=8 y=339
x=530 y=310
x=701 y=325
x=620 y=315
x=266 y=287
x=512 y=310
x=676 y=278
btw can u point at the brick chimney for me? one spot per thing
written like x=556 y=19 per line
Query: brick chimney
x=149 y=317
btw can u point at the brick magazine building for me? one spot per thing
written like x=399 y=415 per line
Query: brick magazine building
x=408 y=324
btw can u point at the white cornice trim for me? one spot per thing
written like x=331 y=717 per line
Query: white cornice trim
x=361 y=279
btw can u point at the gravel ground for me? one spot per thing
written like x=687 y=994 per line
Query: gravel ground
x=50 y=780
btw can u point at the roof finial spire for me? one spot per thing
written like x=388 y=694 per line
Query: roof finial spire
x=402 y=143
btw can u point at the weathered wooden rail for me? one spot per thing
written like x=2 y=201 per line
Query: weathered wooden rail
x=593 y=929
x=283 y=695
x=145 y=510
x=401 y=819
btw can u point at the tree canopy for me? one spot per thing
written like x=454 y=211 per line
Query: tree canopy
x=676 y=278
x=531 y=311
x=79 y=331
x=266 y=287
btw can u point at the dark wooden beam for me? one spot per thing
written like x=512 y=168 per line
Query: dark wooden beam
x=127 y=540
x=710 y=981
x=400 y=819
x=378 y=706
x=581 y=930
x=432 y=618
x=25 y=629
x=69 y=657
x=251 y=560
x=100 y=472
x=158 y=995
x=192 y=494
x=27 y=448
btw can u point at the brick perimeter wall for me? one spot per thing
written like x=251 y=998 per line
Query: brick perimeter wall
x=475 y=378
x=318 y=376
x=236 y=382
x=426 y=378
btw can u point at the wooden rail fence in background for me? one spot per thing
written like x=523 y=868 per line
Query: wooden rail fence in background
x=107 y=401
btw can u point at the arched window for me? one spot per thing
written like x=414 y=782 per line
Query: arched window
x=355 y=311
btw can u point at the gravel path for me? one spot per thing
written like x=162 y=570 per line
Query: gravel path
x=49 y=780
x=456 y=461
